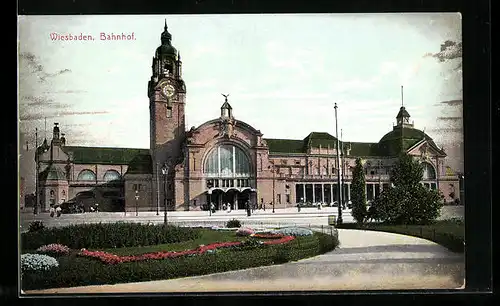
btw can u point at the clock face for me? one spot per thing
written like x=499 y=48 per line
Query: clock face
x=168 y=90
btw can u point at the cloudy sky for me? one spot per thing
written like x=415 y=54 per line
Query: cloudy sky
x=283 y=73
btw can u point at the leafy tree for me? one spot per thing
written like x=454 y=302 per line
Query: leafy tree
x=358 y=193
x=407 y=202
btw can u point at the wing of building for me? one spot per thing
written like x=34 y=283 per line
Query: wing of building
x=223 y=160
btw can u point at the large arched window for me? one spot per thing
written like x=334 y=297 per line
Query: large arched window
x=429 y=172
x=86 y=175
x=111 y=175
x=227 y=161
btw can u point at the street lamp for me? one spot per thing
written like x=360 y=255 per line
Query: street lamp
x=339 y=197
x=35 y=209
x=157 y=190
x=136 y=202
x=209 y=185
x=164 y=171
x=274 y=178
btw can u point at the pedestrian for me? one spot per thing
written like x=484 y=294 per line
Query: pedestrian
x=224 y=206
x=212 y=207
x=96 y=207
x=228 y=207
x=298 y=207
x=58 y=211
x=264 y=206
x=52 y=211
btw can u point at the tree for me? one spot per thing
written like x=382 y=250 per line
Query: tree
x=407 y=202
x=358 y=193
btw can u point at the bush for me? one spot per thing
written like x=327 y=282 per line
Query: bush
x=282 y=255
x=244 y=231
x=36 y=226
x=358 y=194
x=37 y=262
x=233 y=223
x=54 y=249
x=108 y=235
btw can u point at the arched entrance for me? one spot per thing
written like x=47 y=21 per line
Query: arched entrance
x=236 y=197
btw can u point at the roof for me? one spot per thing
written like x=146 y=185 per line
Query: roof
x=141 y=164
x=285 y=145
x=390 y=144
x=52 y=173
x=317 y=139
x=362 y=148
x=99 y=155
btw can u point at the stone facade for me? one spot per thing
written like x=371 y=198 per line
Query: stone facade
x=225 y=160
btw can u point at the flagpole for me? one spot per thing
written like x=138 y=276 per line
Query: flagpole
x=35 y=210
x=339 y=192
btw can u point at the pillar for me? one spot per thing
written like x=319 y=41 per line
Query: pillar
x=322 y=193
x=331 y=194
x=348 y=191
x=314 y=193
x=304 y=191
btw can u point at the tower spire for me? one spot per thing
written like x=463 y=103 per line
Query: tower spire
x=165 y=24
x=402 y=105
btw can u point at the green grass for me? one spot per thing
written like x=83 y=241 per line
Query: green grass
x=75 y=270
x=448 y=233
x=206 y=237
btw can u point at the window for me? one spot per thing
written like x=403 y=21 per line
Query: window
x=52 y=193
x=169 y=112
x=227 y=161
x=86 y=175
x=429 y=173
x=433 y=186
x=135 y=187
x=111 y=175
x=279 y=198
x=288 y=198
x=297 y=162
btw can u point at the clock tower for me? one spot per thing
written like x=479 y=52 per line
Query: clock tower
x=167 y=94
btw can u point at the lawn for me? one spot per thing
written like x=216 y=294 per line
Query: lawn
x=448 y=233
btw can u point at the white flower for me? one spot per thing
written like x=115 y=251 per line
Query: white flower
x=37 y=262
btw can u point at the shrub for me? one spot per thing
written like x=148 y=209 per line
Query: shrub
x=244 y=231
x=54 y=249
x=358 y=194
x=108 y=235
x=36 y=226
x=293 y=231
x=233 y=223
x=282 y=256
x=37 y=262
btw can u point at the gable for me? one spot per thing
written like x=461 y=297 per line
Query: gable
x=425 y=147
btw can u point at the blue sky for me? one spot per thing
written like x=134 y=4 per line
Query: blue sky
x=283 y=73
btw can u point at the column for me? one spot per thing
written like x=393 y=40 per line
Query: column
x=314 y=194
x=322 y=193
x=373 y=192
x=348 y=191
x=304 y=192
x=331 y=194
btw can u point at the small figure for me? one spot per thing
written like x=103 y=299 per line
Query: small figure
x=58 y=211
x=52 y=211
x=228 y=207
x=96 y=207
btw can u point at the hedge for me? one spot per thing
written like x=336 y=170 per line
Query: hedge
x=107 y=235
x=74 y=270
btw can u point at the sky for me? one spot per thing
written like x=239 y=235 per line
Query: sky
x=283 y=74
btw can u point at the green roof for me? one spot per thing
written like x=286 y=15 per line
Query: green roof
x=141 y=164
x=285 y=145
x=391 y=143
x=52 y=173
x=97 y=155
x=317 y=139
x=362 y=148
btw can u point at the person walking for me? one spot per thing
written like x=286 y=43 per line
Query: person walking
x=52 y=211
x=58 y=211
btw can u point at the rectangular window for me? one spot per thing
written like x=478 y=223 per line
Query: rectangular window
x=135 y=187
x=426 y=185
x=433 y=186
x=169 y=112
x=288 y=198
x=279 y=198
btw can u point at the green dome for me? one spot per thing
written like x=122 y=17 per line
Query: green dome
x=52 y=173
x=391 y=143
x=166 y=49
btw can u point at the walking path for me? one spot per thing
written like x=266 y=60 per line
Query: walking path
x=365 y=260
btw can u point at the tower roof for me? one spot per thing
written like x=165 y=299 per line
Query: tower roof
x=166 y=46
x=403 y=113
x=226 y=105
x=52 y=173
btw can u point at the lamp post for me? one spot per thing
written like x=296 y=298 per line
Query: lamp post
x=136 y=202
x=164 y=171
x=35 y=208
x=339 y=197
x=209 y=185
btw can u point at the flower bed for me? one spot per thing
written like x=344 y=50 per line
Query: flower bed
x=54 y=249
x=37 y=262
x=109 y=258
x=294 y=231
x=266 y=235
x=244 y=231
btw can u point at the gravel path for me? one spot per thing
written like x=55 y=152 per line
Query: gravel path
x=365 y=260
